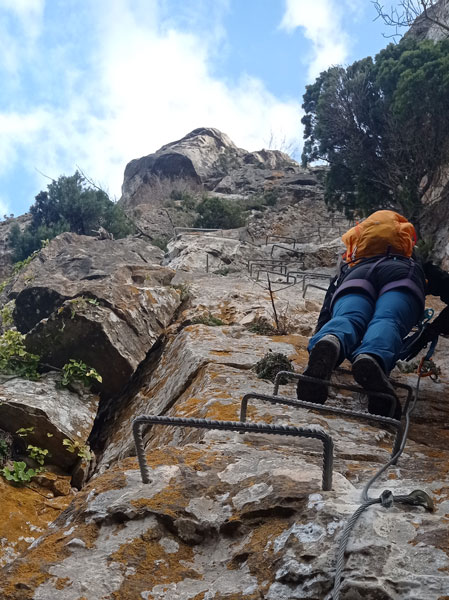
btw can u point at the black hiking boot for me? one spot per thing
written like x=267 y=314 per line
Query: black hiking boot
x=370 y=375
x=322 y=361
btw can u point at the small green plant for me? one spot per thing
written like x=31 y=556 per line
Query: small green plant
x=78 y=303
x=18 y=472
x=270 y=365
x=223 y=272
x=14 y=358
x=37 y=454
x=24 y=431
x=81 y=450
x=6 y=314
x=208 y=319
x=4 y=449
x=77 y=370
x=262 y=326
x=161 y=242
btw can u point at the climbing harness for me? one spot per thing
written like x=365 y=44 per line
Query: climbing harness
x=420 y=328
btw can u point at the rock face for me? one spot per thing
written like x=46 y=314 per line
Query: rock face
x=427 y=28
x=161 y=191
x=51 y=413
x=435 y=215
x=205 y=156
x=226 y=515
x=101 y=301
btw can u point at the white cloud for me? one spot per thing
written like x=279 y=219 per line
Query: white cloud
x=27 y=16
x=151 y=84
x=323 y=23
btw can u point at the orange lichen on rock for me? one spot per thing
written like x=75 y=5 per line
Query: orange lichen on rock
x=259 y=549
x=31 y=570
x=25 y=512
x=62 y=582
x=151 y=565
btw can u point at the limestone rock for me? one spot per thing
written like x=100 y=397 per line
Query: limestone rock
x=183 y=359
x=204 y=156
x=210 y=253
x=100 y=301
x=27 y=512
x=53 y=413
x=425 y=28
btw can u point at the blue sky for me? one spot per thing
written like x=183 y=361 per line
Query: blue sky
x=96 y=83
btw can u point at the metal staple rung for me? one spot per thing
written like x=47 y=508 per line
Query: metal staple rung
x=312 y=285
x=275 y=399
x=310 y=432
x=295 y=252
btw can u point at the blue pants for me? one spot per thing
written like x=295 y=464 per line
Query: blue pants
x=363 y=326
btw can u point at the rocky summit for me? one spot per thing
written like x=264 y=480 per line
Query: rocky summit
x=228 y=490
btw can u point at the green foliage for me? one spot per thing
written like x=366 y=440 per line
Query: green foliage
x=69 y=204
x=6 y=314
x=37 y=454
x=270 y=365
x=77 y=370
x=382 y=126
x=424 y=249
x=4 y=449
x=19 y=473
x=208 y=320
x=262 y=326
x=218 y=213
x=81 y=450
x=160 y=241
x=24 y=431
x=262 y=201
x=76 y=304
x=187 y=200
x=224 y=271
x=14 y=359
x=184 y=291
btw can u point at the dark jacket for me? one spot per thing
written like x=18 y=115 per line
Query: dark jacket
x=438 y=285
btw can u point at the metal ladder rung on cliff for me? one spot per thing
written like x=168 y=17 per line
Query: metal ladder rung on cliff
x=360 y=415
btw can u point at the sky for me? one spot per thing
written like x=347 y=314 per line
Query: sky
x=94 y=84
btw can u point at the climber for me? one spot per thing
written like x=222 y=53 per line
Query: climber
x=370 y=308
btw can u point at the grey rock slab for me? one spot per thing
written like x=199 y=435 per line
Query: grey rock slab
x=48 y=409
x=184 y=357
x=229 y=515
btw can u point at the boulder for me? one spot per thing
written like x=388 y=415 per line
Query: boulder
x=51 y=413
x=211 y=253
x=100 y=301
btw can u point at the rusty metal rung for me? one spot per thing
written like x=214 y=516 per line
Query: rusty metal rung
x=364 y=416
x=313 y=431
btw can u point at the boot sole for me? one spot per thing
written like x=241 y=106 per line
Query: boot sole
x=322 y=361
x=370 y=376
